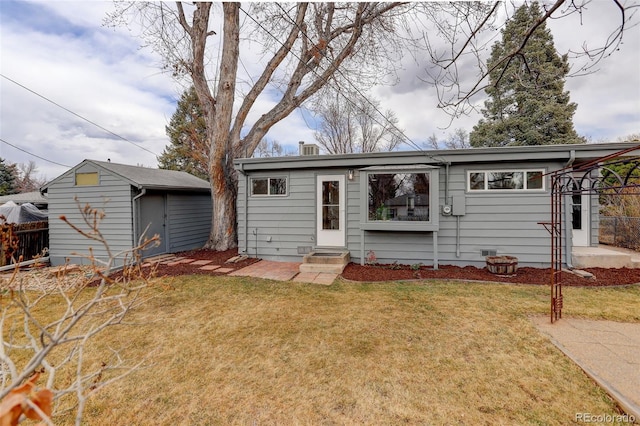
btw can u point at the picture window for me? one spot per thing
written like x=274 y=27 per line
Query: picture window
x=399 y=197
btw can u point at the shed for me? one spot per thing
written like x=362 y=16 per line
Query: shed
x=431 y=207
x=137 y=202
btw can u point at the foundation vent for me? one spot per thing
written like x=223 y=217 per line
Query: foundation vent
x=487 y=252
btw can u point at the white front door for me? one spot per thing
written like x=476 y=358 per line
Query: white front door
x=330 y=213
x=580 y=220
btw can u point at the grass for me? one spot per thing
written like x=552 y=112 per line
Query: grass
x=247 y=351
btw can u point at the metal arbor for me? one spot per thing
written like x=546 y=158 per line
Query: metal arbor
x=613 y=175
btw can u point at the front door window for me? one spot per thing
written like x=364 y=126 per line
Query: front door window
x=331 y=211
x=331 y=205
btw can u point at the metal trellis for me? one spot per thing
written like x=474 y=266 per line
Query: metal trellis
x=612 y=175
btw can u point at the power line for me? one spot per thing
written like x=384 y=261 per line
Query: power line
x=32 y=154
x=78 y=115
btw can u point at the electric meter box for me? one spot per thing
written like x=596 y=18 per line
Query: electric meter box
x=459 y=205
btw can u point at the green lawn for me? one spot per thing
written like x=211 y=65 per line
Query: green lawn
x=247 y=351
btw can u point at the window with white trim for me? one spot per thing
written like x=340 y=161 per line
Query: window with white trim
x=505 y=180
x=399 y=198
x=269 y=186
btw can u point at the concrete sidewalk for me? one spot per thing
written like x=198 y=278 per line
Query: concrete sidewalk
x=608 y=351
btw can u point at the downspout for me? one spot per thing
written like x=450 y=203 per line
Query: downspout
x=568 y=239
x=458 y=236
x=446 y=201
x=246 y=210
x=135 y=216
x=446 y=182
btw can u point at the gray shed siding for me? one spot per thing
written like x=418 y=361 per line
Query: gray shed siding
x=504 y=222
x=183 y=212
x=190 y=221
x=111 y=194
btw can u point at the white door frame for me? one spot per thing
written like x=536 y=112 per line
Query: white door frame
x=334 y=237
x=580 y=236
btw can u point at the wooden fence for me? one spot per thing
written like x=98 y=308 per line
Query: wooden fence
x=26 y=239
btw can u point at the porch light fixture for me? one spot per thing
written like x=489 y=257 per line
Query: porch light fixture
x=350 y=174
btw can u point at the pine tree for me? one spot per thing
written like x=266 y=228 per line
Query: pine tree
x=527 y=102
x=189 y=150
x=8 y=176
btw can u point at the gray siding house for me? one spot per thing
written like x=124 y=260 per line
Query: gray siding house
x=137 y=202
x=431 y=207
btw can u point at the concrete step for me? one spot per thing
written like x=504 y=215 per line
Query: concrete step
x=332 y=262
x=634 y=263
x=327 y=258
x=318 y=268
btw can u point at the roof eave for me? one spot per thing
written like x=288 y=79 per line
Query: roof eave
x=470 y=155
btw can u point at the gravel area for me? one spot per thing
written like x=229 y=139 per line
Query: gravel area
x=44 y=278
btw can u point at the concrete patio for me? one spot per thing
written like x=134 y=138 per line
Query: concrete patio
x=604 y=257
x=607 y=351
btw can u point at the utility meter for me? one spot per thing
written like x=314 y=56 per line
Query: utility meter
x=446 y=209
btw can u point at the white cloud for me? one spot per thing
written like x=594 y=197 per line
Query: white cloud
x=93 y=71
x=63 y=52
x=608 y=99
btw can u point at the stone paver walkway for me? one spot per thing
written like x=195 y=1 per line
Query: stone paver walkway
x=608 y=351
x=278 y=271
x=283 y=271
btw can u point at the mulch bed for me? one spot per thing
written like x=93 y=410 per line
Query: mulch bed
x=355 y=272
x=603 y=277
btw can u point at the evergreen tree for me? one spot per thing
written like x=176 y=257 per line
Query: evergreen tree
x=8 y=176
x=527 y=102
x=189 y=150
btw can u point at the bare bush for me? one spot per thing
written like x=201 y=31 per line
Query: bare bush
x=48 y=329
x=620 y=218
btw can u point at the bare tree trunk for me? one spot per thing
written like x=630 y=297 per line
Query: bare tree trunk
x=218 y=110
x=223 y=234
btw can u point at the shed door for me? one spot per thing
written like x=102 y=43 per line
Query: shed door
x=330 y=203
x=153 y=215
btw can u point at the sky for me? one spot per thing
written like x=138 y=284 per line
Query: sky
x=73 y=89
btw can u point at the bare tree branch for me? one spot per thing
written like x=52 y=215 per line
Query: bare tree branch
x=59 y=344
